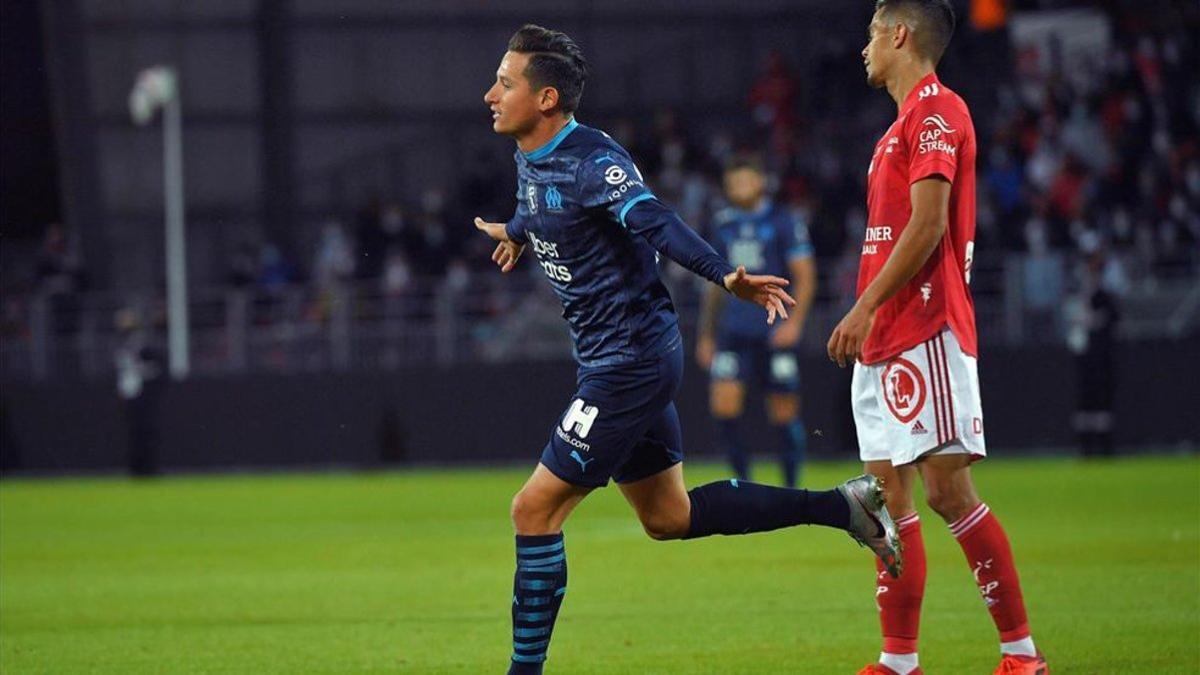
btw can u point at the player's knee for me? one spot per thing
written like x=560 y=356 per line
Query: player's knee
x=664 y=527
x=518 y=510
x=783 y=409
x=725 y=404
x=527 y=515
x=899 y=503
x=949 y=502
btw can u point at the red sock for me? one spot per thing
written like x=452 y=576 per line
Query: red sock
x=991 y=560
x=899 y=600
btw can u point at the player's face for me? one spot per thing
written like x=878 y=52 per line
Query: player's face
x=744 y=187
x=876 y=53
x=513 y=101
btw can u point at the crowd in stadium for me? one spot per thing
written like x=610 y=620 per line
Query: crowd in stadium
x=1095 y=162
x=1102 y=159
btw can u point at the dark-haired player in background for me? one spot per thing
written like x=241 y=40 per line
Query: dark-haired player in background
x=734 y=344
x=911 y=335
x=596 y=230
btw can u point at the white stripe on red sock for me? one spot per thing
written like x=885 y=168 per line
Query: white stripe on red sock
x=963 y=525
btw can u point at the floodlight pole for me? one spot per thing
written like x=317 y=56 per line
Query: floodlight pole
x=177 y=295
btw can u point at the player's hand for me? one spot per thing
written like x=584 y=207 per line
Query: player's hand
x=761 y=289
x=506 y=254
x=706 y=348
x=845 y=345
x=788 y=335
x=494 y=230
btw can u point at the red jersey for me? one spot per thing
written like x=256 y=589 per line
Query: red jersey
x=932 y=136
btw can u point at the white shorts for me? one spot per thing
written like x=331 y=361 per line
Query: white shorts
x=922 y=402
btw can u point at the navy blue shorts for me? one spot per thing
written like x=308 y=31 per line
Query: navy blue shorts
x=753 y=359
x=621 y=423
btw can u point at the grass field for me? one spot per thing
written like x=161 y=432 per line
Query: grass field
x=412 y=572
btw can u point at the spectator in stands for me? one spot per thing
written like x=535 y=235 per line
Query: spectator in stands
x=141 y=382
x=275 y=273
x=1092 y=338
x=333 y=264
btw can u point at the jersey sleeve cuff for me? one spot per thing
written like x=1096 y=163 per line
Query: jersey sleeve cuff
x=514 y=232
x=942 y=169
x=723 y=270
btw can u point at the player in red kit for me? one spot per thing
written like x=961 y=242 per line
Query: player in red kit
x=911 y=335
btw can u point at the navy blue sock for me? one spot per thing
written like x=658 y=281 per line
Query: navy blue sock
x=728 y=431
x=736 y=507
x=793 y=442
x=538 y=589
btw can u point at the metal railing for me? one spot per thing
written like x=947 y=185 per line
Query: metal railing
x=475 y=317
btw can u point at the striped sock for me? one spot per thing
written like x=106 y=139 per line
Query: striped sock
x=990 y=556
x=538 y=589
x=899 y=600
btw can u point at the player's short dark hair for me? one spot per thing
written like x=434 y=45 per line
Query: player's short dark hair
x=934 y=21
x=745 y=161
x=554 y=61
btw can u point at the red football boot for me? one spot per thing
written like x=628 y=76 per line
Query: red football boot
x=880 y=669
x=1014 y=664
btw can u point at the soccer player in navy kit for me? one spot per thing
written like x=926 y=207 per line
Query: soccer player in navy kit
x=734 y=344
x=596 y=229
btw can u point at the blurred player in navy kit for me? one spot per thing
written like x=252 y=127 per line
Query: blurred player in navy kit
x=734 y=344
x=596 y=230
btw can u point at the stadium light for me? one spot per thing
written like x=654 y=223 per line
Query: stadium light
x=158 y=87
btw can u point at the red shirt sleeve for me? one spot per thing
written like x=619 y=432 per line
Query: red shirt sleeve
x=936 y=131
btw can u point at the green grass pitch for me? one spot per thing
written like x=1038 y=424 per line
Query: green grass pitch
x=412 y=572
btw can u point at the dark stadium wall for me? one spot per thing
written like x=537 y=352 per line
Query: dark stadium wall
x=501 y=413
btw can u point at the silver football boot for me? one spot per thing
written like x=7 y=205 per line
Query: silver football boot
x=870 y=524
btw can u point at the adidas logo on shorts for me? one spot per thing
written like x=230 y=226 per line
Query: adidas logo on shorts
x=919 y=428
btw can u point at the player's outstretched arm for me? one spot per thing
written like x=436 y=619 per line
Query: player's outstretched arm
x=763 y=290
x=507 y=251
x=669 y=235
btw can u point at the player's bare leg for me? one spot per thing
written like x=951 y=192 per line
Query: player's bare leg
x=899 y=600
x=782 y=408
x=540 y=583
x=544 y=502
x=727 y=398
x=951 y=492
x=661 y=503
x=783 y=413
x=898 y=482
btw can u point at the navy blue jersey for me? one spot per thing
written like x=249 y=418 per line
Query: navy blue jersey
x=586 y=213
x=764 y=241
